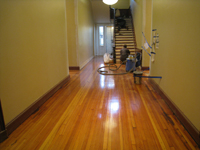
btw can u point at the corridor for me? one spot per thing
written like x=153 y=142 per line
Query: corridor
x=96 y=112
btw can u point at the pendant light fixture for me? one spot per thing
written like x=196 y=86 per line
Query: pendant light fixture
x=110 y=2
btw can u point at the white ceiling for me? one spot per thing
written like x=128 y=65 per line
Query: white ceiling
x=101 y=11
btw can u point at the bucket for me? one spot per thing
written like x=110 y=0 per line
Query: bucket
x=130 y=63
x=137 y=79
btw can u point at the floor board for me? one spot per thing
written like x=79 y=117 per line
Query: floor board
x=96 y=112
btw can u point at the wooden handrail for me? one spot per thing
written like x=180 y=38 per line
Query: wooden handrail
x=112 y=16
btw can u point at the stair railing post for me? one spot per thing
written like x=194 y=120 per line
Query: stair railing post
x=114 y=54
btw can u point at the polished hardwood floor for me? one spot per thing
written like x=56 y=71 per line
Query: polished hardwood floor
x=96 y=112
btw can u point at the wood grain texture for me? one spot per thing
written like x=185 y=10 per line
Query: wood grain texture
x=96 y=112
x=74 y=68
x=193 y=131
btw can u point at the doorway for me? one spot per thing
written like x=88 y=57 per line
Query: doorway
x=104 y=39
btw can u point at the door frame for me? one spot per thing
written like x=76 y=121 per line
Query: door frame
x=96 y=43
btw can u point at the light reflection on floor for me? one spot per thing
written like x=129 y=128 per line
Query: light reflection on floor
x=114 y=106
x=113 y=110
x=107 y=81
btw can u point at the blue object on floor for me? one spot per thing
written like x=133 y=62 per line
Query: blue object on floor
x=130 y=64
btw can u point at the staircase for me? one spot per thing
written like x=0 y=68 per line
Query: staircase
x=124 y=37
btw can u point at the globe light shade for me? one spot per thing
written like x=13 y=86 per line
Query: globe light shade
x=110 y=2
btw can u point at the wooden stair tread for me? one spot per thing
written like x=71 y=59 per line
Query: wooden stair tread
x=127 y=37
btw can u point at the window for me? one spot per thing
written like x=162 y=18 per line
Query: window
x=101 y=40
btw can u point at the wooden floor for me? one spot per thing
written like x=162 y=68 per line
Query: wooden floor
x=96 y=112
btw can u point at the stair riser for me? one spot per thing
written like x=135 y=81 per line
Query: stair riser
x=118 y=54
x=124 y=42
x=128 y=47
x=124 y=32
x=118 y=45
x=124 y=36
x=123 y=29
x=128 y=40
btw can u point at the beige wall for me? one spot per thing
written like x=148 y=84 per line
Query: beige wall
x=147 y=28
x=122 y=4
x=72 y=32
x=85 y=32
x=33 y=53
x=142 y=21
x=137 y=14
x=80 y=29
x=177 y=59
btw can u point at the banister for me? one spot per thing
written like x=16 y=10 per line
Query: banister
x=113 y=17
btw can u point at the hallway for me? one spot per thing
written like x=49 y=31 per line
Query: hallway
x=94 y=112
